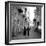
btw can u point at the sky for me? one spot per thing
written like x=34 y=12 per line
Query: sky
x=30 y=13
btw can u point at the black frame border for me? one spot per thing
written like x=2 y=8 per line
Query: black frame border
x=7 y=40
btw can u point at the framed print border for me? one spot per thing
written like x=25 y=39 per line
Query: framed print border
x=7 y=13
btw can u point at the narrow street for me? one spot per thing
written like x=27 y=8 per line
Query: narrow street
x=32 y=35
